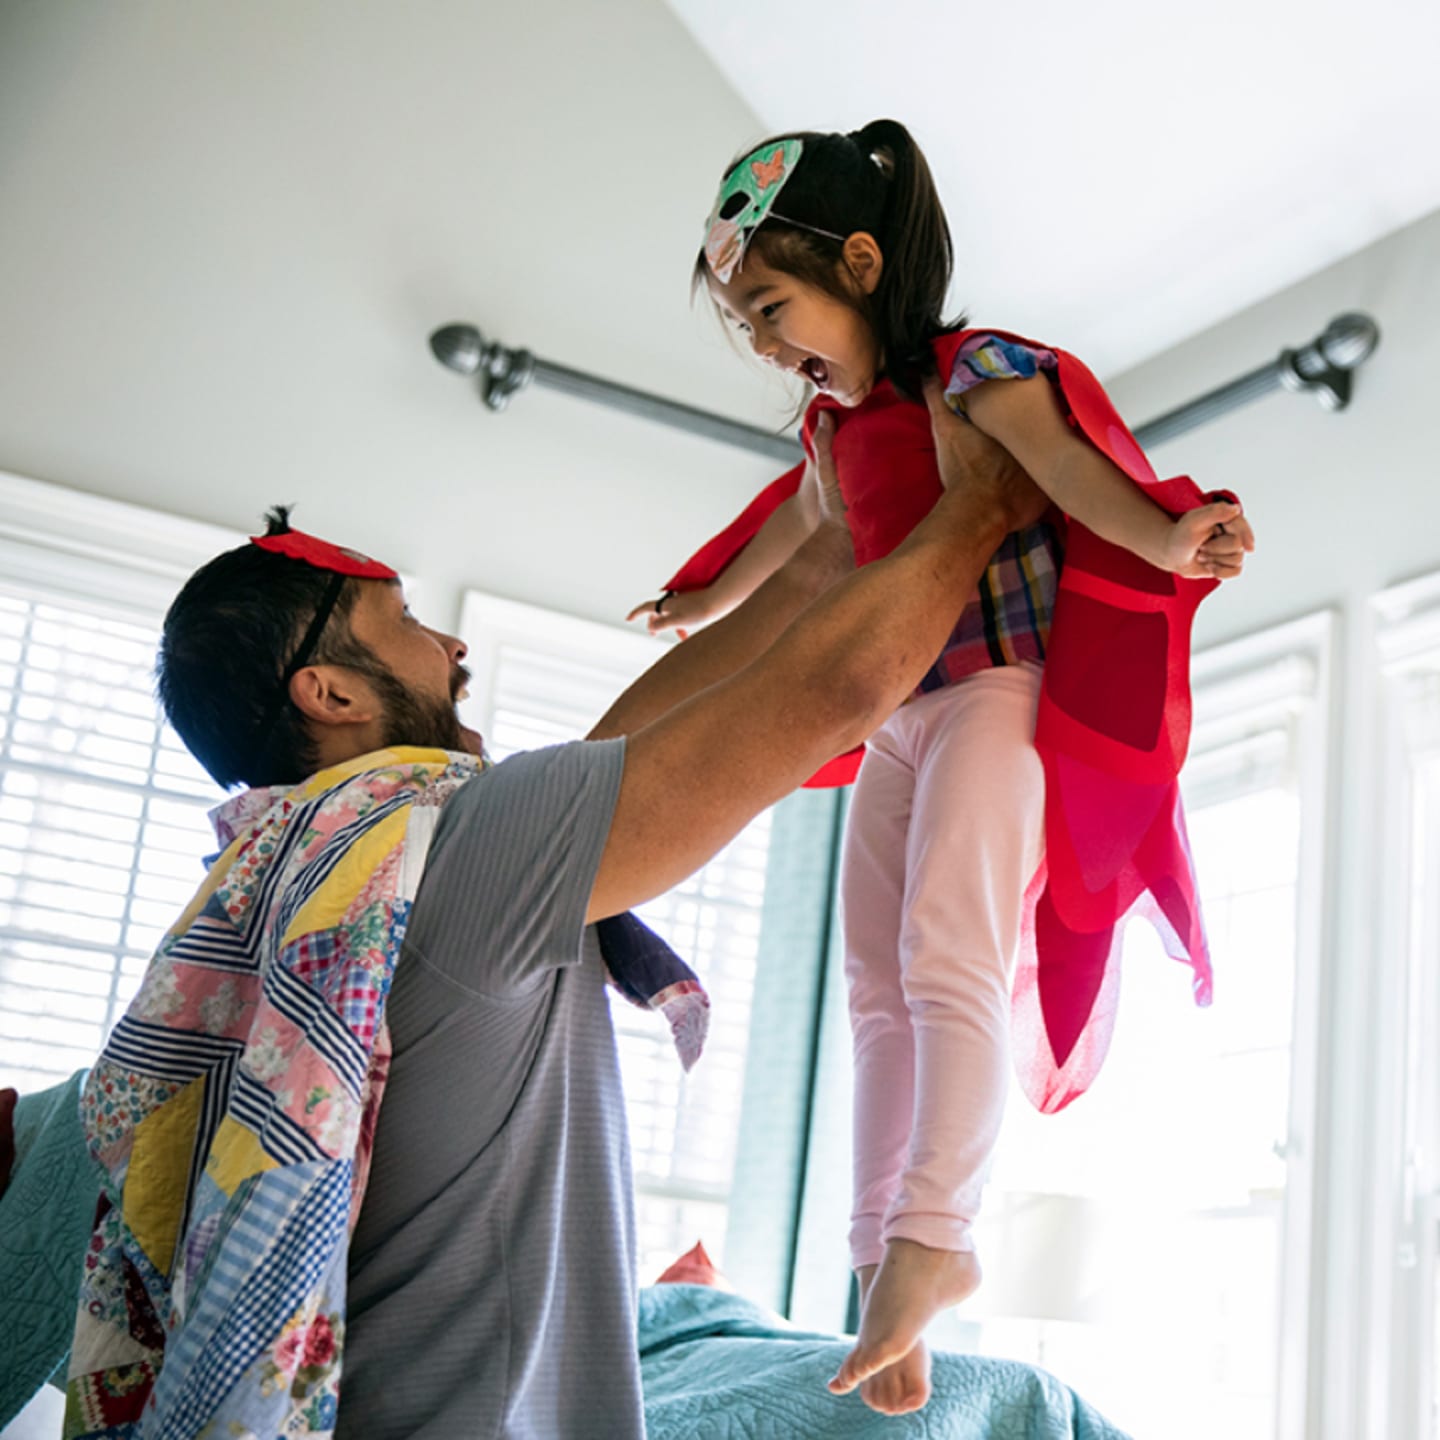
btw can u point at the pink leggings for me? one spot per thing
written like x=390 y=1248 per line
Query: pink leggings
x=945 y=833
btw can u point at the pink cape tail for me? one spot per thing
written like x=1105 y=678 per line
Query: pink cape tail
x=1067 y=977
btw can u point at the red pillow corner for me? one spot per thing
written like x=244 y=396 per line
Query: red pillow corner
x=694 y=1267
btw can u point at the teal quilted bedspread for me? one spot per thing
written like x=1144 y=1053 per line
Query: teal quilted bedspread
x=719 y=1367
x=45 y=1219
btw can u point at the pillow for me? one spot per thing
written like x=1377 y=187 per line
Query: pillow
x=694 y=1267
x=7 y=1135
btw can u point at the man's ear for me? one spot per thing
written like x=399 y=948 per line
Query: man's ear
x=332 y=695
x=863 y=259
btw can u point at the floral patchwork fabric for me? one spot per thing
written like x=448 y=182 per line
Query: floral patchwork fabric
x=233 y=1108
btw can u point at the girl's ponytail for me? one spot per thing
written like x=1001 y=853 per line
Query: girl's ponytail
x=915 y=241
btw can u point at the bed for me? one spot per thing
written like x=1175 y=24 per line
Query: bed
x=715 y=1365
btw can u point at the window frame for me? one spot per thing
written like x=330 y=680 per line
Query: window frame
x=1403 y=1164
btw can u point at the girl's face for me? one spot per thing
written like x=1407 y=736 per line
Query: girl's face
x=797 y=328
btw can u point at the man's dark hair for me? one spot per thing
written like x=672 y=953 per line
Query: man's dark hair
x=227 y=640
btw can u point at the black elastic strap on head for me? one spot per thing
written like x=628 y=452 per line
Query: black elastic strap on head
x=298 y=661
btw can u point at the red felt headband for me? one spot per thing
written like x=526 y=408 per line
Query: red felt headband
x=297 y=545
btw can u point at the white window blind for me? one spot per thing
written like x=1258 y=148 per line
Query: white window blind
x=102 y=811
x=540 y=678
x=102 y=828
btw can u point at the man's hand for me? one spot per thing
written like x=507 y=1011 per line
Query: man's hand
x=967 y=456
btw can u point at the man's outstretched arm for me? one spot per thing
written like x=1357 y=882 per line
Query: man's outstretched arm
x=732 y=642
x=710 y=746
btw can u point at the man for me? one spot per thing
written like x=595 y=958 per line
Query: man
x=488 y=1284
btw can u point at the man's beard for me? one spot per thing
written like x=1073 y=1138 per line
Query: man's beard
x=412 y=719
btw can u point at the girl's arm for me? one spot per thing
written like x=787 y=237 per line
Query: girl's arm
x=1024 y=417
x=788 y=526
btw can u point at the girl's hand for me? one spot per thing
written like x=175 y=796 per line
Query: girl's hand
x=677 y=610
x=820 y=474
x=1209 y=543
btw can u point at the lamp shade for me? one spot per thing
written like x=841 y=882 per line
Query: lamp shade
x=1044 y=1258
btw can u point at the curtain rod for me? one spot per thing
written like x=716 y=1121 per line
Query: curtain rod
x=1323 y=368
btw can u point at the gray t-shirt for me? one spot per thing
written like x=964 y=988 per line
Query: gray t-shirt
x=492 y=1289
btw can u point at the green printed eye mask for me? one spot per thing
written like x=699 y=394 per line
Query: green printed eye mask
x=745 y=201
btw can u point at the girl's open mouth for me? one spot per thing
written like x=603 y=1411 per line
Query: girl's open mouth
x=817 y=372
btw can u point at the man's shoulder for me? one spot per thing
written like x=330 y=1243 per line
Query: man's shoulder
x=531 y=780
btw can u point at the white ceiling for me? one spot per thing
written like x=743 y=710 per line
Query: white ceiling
x=1123 y=173
x=228 y=230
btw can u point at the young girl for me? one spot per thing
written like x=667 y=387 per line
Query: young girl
x=973 y=838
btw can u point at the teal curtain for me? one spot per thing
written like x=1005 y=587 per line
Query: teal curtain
x=790 y=1048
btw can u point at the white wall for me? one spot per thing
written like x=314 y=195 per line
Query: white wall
x=228 y=230
x=1344 y=505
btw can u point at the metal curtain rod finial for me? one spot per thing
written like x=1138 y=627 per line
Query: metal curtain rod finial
x=1324 y=367
x=502 y=371
x=1325 y=364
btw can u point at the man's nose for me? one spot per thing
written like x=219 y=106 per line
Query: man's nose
x=453 y=645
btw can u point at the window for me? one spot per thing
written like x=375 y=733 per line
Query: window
x=102 y=811
x=1151 y=1241
x=102 y=830
x=541 y=678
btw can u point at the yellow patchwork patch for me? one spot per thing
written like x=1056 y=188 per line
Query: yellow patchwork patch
x=322 y=780
x=236 y=1155
x=328 y=905
x=159 y=1167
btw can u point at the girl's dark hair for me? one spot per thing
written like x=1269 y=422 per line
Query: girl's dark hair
x=873 y=179
x=224 y=647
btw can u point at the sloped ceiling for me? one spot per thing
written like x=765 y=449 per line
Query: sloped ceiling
x=1123 y=173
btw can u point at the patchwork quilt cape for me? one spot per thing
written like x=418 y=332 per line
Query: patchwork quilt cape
x=1112 y=732
x=233 y=1109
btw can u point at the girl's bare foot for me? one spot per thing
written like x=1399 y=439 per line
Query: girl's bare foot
x=913 y=1284
x=904 y=1386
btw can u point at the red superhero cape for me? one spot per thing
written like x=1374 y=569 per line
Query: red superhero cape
x=1112 y=731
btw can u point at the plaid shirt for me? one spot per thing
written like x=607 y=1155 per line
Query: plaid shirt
x=1008 y=619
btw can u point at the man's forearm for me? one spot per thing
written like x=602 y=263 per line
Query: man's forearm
x=865 y=644
x=731 y=643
